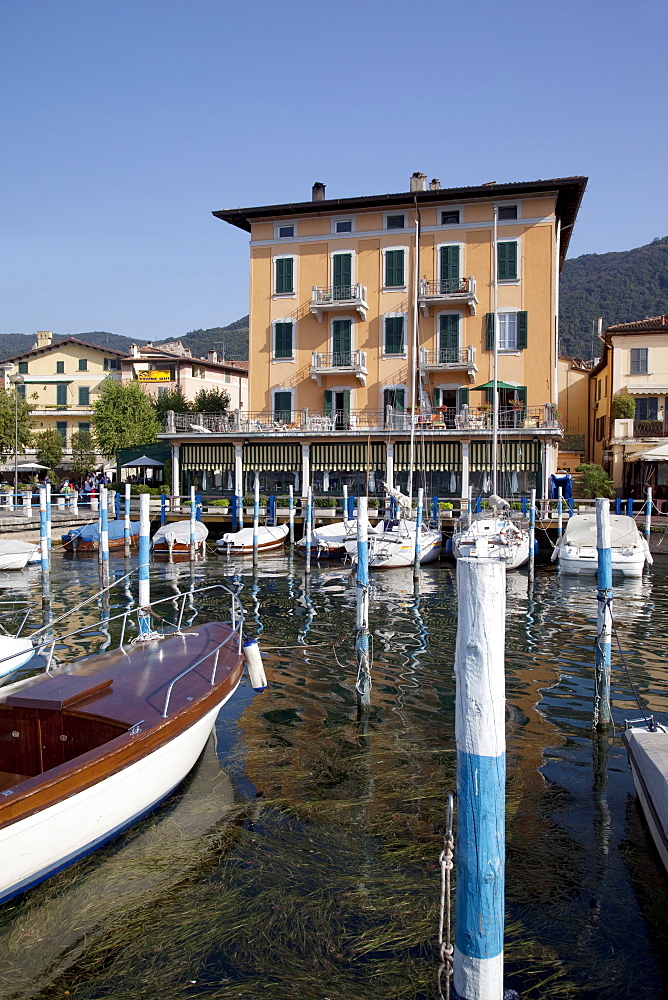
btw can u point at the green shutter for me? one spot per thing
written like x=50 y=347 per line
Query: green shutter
x=342 y=271
x=438 y=394
x=283 y=342
x=507 y=261
x=61 y=394
x=341 y=337
x=328 y=402
x=394 y=268
x=84 y=395
x=489 y=331
x=462 y=398
x=346 y=401
x=522 y=396
x=449 y=336
x=283 y=406
x=284 y=275
x=521 y=331
x=394 y=335
x=450 y=265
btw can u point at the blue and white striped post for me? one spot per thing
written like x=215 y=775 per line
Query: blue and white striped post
x=234 y=512
x=345 y=505
x=144 y=597
x=74 y=501
x=629 y=506
x=48 y=514
x=604 y=621
x=43 y=541
x=618 y=505
x=163 y=509
x=434 y=511
x=481 y=777
x=532 y=536
x=560 y=513
x=126 y=520
x=198 y=506
x=307 y=529
x=193 y=522
x=240 y=510
x=117 y=505
x=291 y=514
x=351 y=508
x=648 y=512
x=418 y=533
x=256 y=516
x=272 y=509
x=104 y=528
x=363 y=683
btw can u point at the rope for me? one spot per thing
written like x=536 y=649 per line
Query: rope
x=445 y=947
x=649 y=721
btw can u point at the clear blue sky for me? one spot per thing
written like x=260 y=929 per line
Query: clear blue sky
x=125 y=123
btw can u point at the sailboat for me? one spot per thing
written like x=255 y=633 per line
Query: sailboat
x=392 y=545
x=493 y=533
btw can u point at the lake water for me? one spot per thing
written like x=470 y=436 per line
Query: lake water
x=300 y=860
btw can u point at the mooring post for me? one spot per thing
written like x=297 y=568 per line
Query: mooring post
x=604 y=622
x=418 y=532
x=240 y=510
x=144 y=597
x=43 y=542
x=481 y=777
x=272 y=509
x=291 y=514
x=434 y=511
x=193 y=524
x=560 y=513
x=117 y=505
x=351 y=508
x=363 y=683
x=629 y=506
x=532 y=536
x=126 y=520
x=104 y=526
x=256 y=515
x=648 y=512
x=163 y=509
x=307 y=530
x=48 y=515
x=234 y=512
x=345 y=505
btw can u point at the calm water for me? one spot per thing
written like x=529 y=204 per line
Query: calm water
x=301 y=858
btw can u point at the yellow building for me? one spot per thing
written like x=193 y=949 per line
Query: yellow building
x=574 y=411
x=354 y=333
x=634 y=363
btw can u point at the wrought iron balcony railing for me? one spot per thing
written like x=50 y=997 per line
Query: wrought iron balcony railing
x=448 y=290
x=448 y=358
x=340 y=361
x=338 y=297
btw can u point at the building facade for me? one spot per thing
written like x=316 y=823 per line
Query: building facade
x=170 y=366
x=371 y=314
x=634 y=362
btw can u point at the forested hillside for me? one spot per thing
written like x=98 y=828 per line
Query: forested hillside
x=620 y=287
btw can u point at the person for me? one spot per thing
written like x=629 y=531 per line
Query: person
x=89 y=487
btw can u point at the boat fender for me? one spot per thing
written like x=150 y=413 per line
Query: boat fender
x=254 y=665
x=448 y=547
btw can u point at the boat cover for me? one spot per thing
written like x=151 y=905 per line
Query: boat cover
x=178 y=533
x=650 y=753
x=581 y=530
x=14 y=546
x=244 y=537
x=91 y=532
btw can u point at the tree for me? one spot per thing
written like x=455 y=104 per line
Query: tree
x=123 y=417
x=49 y=445
x=10 y=407
x=211 y=401
x=171 y=399
x=622 y=406
x=592 y=481
x=84 y=458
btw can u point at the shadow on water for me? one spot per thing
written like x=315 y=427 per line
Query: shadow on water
x=308 y=866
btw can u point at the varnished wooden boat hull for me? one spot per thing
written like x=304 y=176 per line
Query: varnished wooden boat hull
x=84 y=546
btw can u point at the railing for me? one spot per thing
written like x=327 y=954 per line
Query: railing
x=650 y=428
x=464 y=357
x=340 y=359
x=446 y=286
x=338 y=293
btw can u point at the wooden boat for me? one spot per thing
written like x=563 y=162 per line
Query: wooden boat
x=269 y=537
x=84 y=755
x=577 y=554
x=174 y=537
x=16 y=554
x=647 y=747
x=87 y=537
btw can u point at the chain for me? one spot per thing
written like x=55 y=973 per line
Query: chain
x=445 y=948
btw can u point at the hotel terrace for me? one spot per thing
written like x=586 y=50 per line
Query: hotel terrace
x=341 y=290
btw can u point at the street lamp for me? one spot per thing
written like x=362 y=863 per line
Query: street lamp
x=16 y=381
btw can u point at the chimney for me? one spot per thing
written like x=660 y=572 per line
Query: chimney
x=213 y=357
x=434 y=184
x=44 y=338
x=418 y=182
x=318 y=192
x=134 y=351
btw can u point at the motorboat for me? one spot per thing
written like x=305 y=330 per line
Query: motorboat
x=16 y=554
x=174 y=537
x=329 y=540
x=493 y=533
x=646 y=742
x=84 y=755
x=576 y=549
x=269 y=536
x=87 y=537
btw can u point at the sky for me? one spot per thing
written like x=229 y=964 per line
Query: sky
x=125 y=123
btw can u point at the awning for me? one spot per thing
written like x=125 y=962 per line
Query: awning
x=647 y=390
x=207 y=456
x=513 y=456
x=348 y=457
x=143 y=463
x=274 y=457
x=659 y=454
x=430 y=456
x=500 y=384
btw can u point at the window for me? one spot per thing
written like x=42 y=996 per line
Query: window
x=506 y=253
x=21 y=391
x=60 y=367
x=343 y=226
x=449 y=269
x=394 y=401
x=283 y=407
x=394 y=335
x=600 y=428
x=283 y=340
x=513 y=331
x=507 y=331
x=395 y=221
x=285 y=232
x=112 y=364
x=450 y=218
x=83 y=365
x=448 y=338
x=506 y=212
x=285 y=284
x=61 y=427
x=342 y=339
x=84 y=428
x=639 y=360
x=647 y=408
x=228 y=378
x=342 y=275
x=23 y=367
x=61 y=394
x=394 y=268
x=84 y=395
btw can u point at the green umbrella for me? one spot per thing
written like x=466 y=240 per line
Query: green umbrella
x=490 y=385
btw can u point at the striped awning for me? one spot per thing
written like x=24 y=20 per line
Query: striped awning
x=207 y=456
x=348 y=457
x=513 y=456
x=274 y=457
x=432 y=456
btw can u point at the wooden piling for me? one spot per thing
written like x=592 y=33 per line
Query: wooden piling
x=418 y=526
x=144 y=596
x=363 y=683
x=604 y=620
x=256 y=516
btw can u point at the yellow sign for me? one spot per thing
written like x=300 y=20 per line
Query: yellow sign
x=154 y=376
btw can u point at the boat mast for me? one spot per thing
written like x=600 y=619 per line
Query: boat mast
x=414 y=393
x=495 y=400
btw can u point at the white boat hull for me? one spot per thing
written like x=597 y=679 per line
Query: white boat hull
x=47 y=841
x=587 y=565
x=329 y=540
x=648 y=755
x=577 y=554
x=14 y=653
x=493 y=538
x=395 y=549
x=269 y=537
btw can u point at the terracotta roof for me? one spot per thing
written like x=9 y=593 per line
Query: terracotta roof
x=60 y=343
x=654 y=323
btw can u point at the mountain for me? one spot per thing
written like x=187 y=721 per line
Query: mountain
x=620 y=287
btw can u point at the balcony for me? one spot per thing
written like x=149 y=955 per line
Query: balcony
x=650 y=429
x=338 y=298
x=344 y=362
x=447 y=292
x=448 y=360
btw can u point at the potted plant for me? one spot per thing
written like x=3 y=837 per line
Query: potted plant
x=445 y=508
